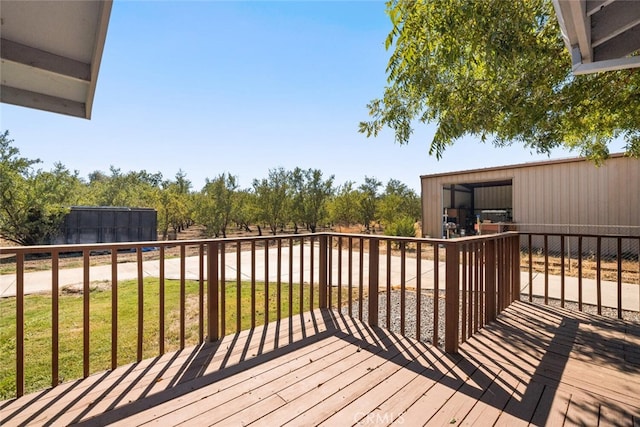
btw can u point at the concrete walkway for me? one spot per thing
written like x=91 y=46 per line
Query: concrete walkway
x=40 y=281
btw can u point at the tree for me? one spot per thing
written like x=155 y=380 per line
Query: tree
x=368 y=201
x=173 y=208
x=310 y=194
x=131 y=189
x=32 y=203
x=272 y=198
x=343 y=207
x=184 y=185
x=297 y=189
x=245 y=210
x=317 y=193
x=499 y=70
x=216 y=204
x=398 y=201
x=183 y=201
x=401 y=226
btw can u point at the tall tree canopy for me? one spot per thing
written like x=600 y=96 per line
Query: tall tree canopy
x=272 y=198
x=216 y=203
x=310 y=195
x=32 y=202
x=368 y=202
x=499 y=70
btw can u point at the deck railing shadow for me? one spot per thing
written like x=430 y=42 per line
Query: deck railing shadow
x=526 y=361
x=479 y=277
x=187 y=369
x=515 y=345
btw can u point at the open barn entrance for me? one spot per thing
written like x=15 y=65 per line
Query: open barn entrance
x=477 y=208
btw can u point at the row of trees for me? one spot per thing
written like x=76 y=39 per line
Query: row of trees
x=34 y=202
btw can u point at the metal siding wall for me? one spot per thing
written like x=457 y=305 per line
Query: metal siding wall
x=431 y=206
x=602 y=193
x=588 y=196
x=557 y=175
x=519 y=181
x=633 y=182
x=446 y=198
x=571 y=187
x=619 y=216
x=463 y=199
x=493 y=197
x=103 y=225
x=573 y=192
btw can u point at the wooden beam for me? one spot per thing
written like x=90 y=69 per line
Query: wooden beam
x=42 y=60
x=25 y=98
x=582 y=26
x=613 y=20
x=618 y=47
x=594 y=6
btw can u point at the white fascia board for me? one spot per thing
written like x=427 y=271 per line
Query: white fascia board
x=101 y=37
x=610 y=65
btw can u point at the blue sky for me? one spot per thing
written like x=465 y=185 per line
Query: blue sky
x=242 y=87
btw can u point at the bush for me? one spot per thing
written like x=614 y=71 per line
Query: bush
x=404 y=227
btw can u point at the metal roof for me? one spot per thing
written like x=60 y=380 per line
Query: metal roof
x=50 y=53
x=601 y=35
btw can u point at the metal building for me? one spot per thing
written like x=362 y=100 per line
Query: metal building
x=559 y=192
x=106 y=224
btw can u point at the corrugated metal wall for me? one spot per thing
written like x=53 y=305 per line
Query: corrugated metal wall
x=493 y=197
x=572 y=191
x=107 y=225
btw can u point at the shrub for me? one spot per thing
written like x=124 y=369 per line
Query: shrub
x=403 y=226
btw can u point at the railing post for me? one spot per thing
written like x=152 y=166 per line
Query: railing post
x=452 y=298
x=505 y=277
x=374 y=254
x=212 y=291
x=322 y=276
x=515 y=269
x=499 y=246
x=20 y=324
x=490 y=280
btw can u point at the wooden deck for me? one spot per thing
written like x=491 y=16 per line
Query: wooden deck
x=535 y=364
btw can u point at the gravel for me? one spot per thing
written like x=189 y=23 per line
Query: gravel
x=427 y=306
x=607 y=312
x=427 y=309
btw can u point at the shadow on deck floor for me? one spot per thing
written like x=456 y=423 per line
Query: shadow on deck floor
x=534 y=364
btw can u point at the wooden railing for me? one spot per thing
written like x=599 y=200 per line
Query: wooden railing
x=466 y=282
x=587 y=269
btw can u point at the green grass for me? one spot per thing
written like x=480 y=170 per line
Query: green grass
x=37 y=314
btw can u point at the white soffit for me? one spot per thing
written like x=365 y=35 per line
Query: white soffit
x=601 y=35
x=50 y=53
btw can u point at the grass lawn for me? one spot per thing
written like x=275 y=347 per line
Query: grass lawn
x=37 y=343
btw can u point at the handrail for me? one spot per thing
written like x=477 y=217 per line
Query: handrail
x=474 y=278
x=70 y=248
x=616 y=257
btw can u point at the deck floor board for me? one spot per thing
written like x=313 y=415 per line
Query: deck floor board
x=535 y=365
